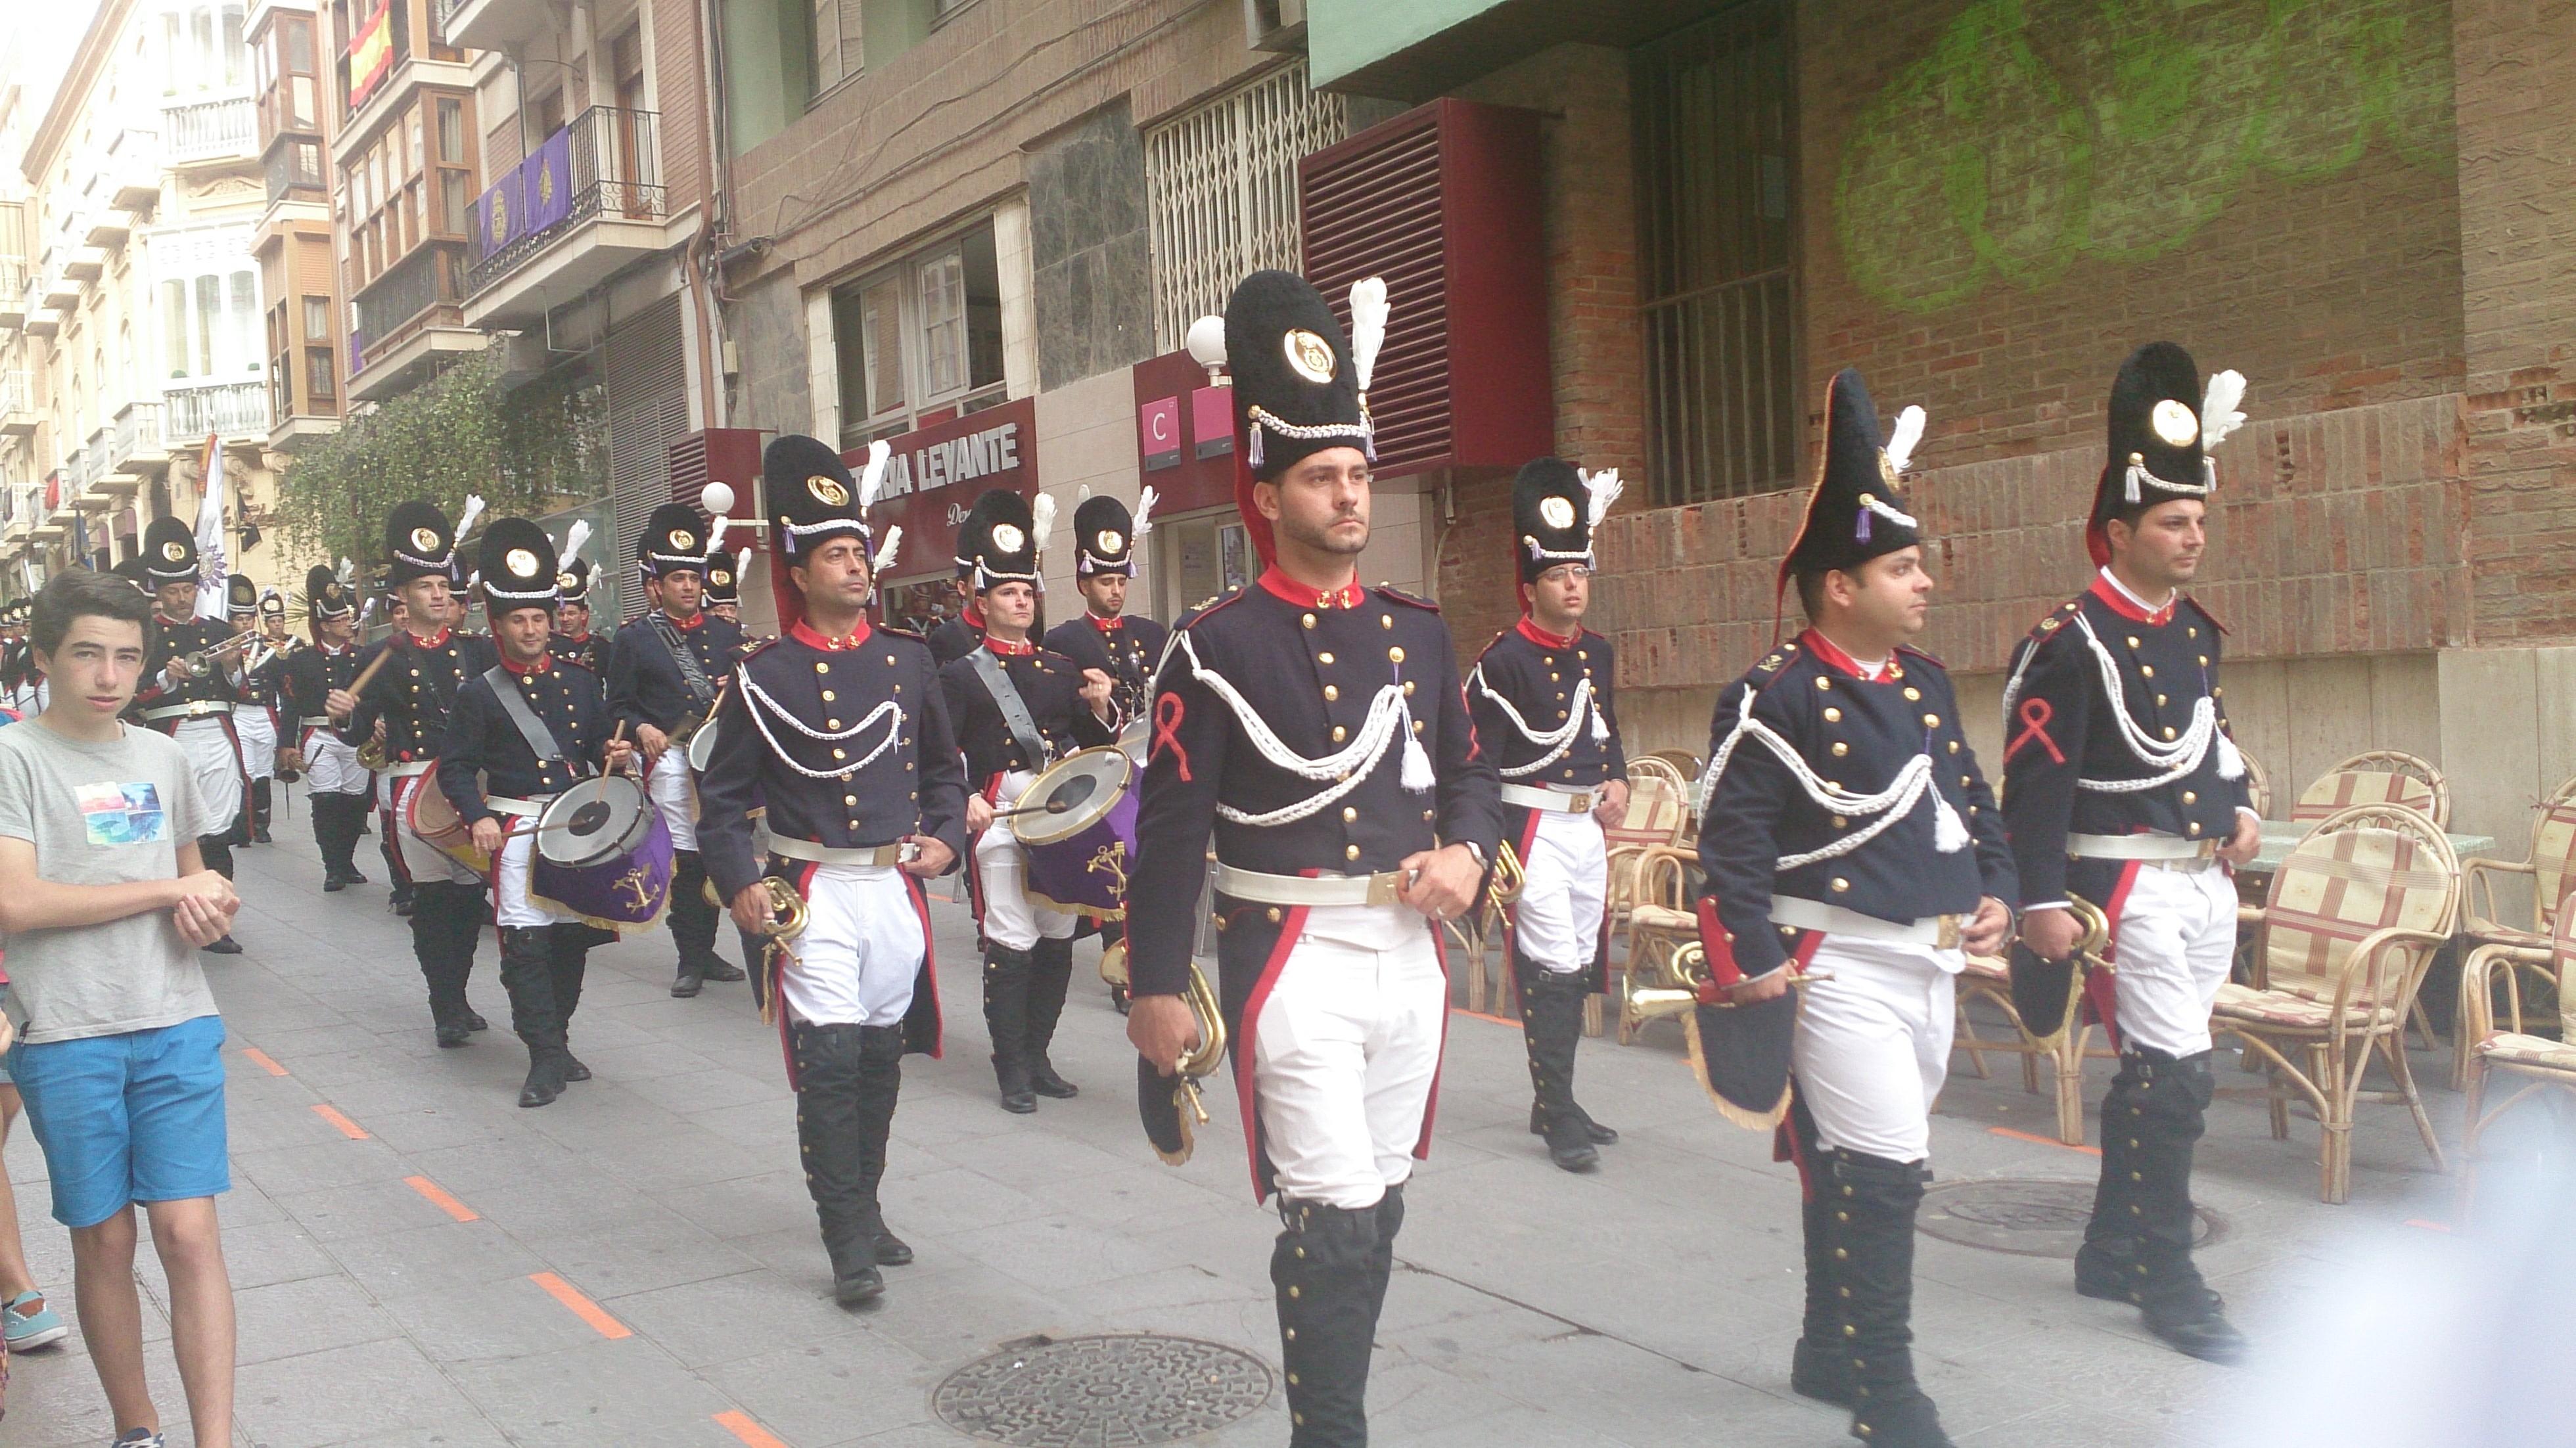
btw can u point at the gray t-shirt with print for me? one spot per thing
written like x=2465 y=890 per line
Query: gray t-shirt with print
x=108 y=813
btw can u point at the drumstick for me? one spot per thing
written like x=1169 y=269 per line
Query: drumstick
x=1053 y=806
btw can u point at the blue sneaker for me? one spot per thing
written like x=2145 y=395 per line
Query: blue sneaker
x=137 y=1438
x=25 y=1329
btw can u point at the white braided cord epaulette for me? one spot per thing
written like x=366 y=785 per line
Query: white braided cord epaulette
x=1895 y=802
x=1388 y=716
x=1556 y=742
x=2177 y=758
x=760 y=702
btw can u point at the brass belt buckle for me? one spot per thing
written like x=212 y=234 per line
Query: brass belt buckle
x=1579 y=804
x=1383 y=885
x=1945 y=932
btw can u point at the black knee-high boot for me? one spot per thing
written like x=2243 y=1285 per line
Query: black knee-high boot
x=693 y=927
x=262 y=802
x=1551 y=1024
x=528 y=973
x=328 y=825
x=349 y=825
x=568 y=954
x=1819 y=1367
x=1328 y=1291
x=846 y=1078
x=445 y=919
x=1050 y=976
x=1869 y=1225
x=2138 y=1246
x=880 y=1083
x=402 y=899
x=1006 y=1017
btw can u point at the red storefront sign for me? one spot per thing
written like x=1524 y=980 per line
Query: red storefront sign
x=935 y=474
x=1196 y=462
x=1158 y=434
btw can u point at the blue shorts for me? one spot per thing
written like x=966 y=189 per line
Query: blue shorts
x=136 y=1117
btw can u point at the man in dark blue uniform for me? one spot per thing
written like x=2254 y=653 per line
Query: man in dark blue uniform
x=338 y=789
x=255 y=722
x=190 y=693
x=1542 y=701
x=2126 y=791
x=662 y=677
x=841 y=730
x=724 y=576
x=574 y=638
x=1017 y=709
x=1315 y=728
x=1849 y=834
x=492 y=766
x=410 y=698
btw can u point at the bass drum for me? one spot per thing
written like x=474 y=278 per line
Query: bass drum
x=433 y=818
x=604 y=854
x=1078 y=823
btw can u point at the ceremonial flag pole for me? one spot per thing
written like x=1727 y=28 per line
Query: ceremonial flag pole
x=210 y=530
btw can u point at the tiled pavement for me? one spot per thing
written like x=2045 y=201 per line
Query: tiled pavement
x=409 y=1247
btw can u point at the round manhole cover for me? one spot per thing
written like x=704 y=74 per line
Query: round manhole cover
x=1089 y=1392
x=2025 y=1218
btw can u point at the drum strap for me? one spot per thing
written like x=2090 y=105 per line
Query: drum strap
x=1015 y=710
x=531 y=728
x=701 y=692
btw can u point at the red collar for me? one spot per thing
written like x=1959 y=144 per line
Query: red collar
x=437 y=640
x=805 y=634
x=974 y=616
x=544 y=662
x=1832 y=657
x=582 y=637
x=1530 y=630
x=2117 y=599
x=695 y=620
x=1349 y=595
x=1105 y=625
x=170 y=622
x=1010 y=650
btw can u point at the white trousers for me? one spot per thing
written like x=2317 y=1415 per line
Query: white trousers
x=1345 y=1052
x=1873 y=1043
x=257 y=729
x=1011 y=919
x=1557 y=920
x=330 y=766
x=511 y=907
x=2176 y=943
x=209 y=747
x=426 y=863
x=676 y=796
x=861 y=950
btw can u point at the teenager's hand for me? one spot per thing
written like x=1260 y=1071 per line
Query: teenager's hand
x=204 y=909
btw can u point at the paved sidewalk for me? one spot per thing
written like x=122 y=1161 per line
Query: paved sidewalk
x=420 y=1262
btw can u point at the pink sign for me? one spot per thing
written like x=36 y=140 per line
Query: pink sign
x=1158 y=433
x=1212 y=420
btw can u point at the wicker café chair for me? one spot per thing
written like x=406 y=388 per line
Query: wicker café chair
x=2354 y=917
x=2258 y=784
x=2528 y=1063
x=1659 y=817
x=2061 y=1043
x=2494 y=945
x=2382 y=776
x=1662 y=927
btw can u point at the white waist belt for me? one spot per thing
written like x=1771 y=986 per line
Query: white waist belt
x=1378 y=889
x=409 y=767
x=202 y=708
x=1941 y=932
x=2172 y=850
x=524 y=808
x=900 y=852
x=324 y=722
x=1530 y=796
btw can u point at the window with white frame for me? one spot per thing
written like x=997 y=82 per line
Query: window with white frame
x=840 y=49
x=921 y=338
x=1221 y=191
x=202 y=49
x=211 y=327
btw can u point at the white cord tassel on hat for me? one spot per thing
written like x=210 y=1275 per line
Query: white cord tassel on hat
x=1605 y=488
x=872 y=477
x=886 y=555
x=1142 y=522
x=574 y=537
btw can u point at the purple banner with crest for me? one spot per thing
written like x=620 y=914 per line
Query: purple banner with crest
x=500 y=215
x=545 y=182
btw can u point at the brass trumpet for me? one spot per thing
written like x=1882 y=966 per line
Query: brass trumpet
x=1195 y=1066
x=1509 y=878
x=202 y=663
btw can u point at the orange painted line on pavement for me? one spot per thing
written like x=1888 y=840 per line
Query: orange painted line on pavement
x=348 y=1128
x=439 y=1198
x=582 y=1307
x=1480 y=1015
x=2428 y=1224
x=262 y=1060
x=742 y=1425
x=2042 y=1140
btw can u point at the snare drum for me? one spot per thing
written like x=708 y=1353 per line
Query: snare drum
x=603 y=854
x=432 y=817
x=1079 y=854
x=1133 y=739
x=702 y=748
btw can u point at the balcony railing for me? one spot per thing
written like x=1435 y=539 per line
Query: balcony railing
x=101 y=444
x=231 y=408
x=209 y=130
x=411 y=286
x=138 y=436
x=15 y=394
x=604 y=164
x=295 y=166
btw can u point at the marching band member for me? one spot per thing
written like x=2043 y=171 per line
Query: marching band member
x=411 y=697
x=521 y=733
x=337 y=787
x=962 y=632
x=574 y=639
x=1541 y=698
x=2126 y=790
x=19 y=676
x=1316 y=728
x=255 y=710
x=724 y=576
x=841 y=730
x=662 y=673
x=1848 y=832
x=192 y=701
x=1017 y=708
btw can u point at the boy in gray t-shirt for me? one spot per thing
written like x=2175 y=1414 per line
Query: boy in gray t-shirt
x=119 y=1058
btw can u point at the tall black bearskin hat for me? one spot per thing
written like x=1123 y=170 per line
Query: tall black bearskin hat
x=1855 y=512
x=813 y=498
x=134 y=571
x=674 y=540
x=169 y=554
x=325 y=596
x=1300 y=385
x=572 y=571
x=241 y=596
x=1002 y=539
x=724 y=570
x=1105 y=534
x=272 y=604
x=419 y=544
x=517 y=568
x=1555 y=507
x=2159 y=445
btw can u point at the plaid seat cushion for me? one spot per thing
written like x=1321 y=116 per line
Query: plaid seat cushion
x=2507 y=1049
x=2336 y=889
x=2345 y=788
x=2278 y=1008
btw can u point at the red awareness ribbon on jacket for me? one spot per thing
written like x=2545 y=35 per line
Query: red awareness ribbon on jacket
x=1168 y=713
x=2035 y=714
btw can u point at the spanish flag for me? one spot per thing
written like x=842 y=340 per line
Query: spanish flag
x=371 y=54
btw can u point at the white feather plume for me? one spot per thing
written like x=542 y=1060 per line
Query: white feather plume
x=1368 y=326
x=1605 y=488
x=886 y=555
x=348 y=570
x=1082 y=495
x=872 y=477
x=716 y=532
x=1909 y=434
x=1144 y=516
x=2219 y=414
x=741 y=565
x=1041 y=523
x=574 y=537
x=473 y=513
